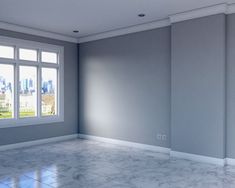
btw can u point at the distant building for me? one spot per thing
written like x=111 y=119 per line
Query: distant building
x=45 y=87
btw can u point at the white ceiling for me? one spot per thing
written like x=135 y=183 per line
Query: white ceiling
x=92 y=16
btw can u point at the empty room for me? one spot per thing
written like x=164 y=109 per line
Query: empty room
x=117 y=94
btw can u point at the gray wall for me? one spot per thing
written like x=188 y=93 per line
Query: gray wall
x=231 y=86
x=125 y=87
x=70 y=124
x=198 y=86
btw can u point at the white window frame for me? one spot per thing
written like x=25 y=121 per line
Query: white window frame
x=39 y=119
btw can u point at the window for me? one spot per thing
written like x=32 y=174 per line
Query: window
x=27 y=54
x=28 y=91
x=49 y=57
x=6 y=52
x=31 y=83
x=49 y=91
x=6 y=91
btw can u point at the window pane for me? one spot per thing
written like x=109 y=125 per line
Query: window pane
x=26 y=54
x=7 y=52
x=28 y=91
x=6 y=91
x=49 y=57
x=49 y=91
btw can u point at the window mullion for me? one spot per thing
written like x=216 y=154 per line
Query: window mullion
x=16 y=92
x=39 y=92
x=57 y=92
x=16 y=87
x=39 y=98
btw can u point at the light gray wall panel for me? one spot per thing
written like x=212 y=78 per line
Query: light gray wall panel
x=231 y=86
x=198 y=86
x=70 y=125
x=125 y=87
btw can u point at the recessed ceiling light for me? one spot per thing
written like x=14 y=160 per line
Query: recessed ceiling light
x=141 y=15
x=75 y=31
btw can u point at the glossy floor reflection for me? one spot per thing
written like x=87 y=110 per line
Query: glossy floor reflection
x=89 y=164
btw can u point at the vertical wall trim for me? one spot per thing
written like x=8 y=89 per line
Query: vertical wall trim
x=224 y=89
x=226 y=85
x=78 y=78
x=170 y=130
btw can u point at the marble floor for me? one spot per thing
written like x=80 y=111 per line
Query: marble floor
x=89 y=164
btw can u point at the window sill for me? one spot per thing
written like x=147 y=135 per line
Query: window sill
x=8 y=123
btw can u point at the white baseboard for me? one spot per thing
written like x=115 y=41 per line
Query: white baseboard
x=198 y=158
x=126 y=143
x=171 y=153
x=37 y=142
x=230 y=161
x=193 y=157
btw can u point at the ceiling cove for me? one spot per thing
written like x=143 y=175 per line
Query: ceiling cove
x=223 y=8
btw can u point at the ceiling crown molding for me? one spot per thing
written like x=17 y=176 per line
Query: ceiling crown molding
x=198 y=13
x=127 y=30
x=27 y=30
x=192 y=14
x=231 y=9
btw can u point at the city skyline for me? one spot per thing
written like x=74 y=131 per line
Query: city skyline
x=27 y=85
x=4 y=85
